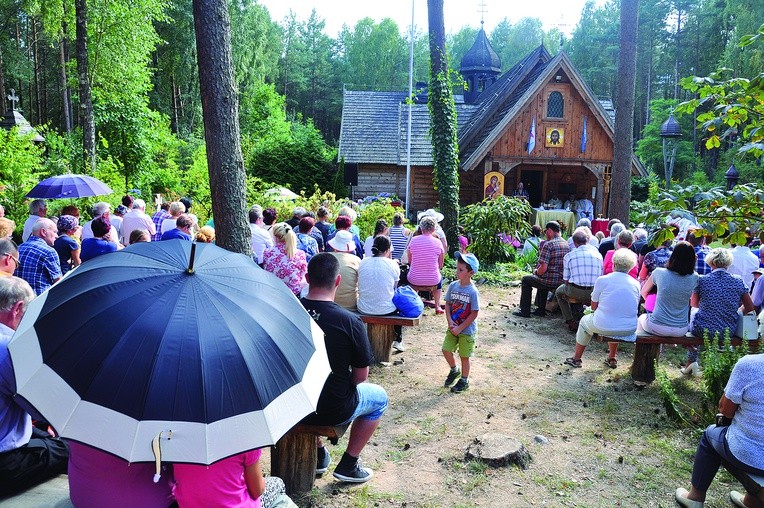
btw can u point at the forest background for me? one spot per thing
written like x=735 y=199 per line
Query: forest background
x=290 y=75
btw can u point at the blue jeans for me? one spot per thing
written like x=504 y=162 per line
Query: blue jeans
x=372 y=402
x=712 y=450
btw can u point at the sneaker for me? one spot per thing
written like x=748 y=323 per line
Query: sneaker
x=323 y=460
x=460 y=386
x=452 y=376
x=355 y=474
x=398 y=346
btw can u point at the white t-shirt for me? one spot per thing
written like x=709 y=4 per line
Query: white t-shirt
x=28 y=225
x=617 y=296
x=377 y=279
x=168 y=224
x=261 y=240
x=744 y=262
x=368 y=244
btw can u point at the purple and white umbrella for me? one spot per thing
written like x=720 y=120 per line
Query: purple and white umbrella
x=69 y=186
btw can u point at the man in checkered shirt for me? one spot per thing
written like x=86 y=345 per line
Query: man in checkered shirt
x=39 y=262
x=581 y=267
x=160 y=215
x=547 y=275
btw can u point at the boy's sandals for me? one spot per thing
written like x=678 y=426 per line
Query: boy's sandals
x=573 y=362
x=611 y=362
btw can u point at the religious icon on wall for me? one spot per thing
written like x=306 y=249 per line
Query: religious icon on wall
x=555 y=137
x=494 y=184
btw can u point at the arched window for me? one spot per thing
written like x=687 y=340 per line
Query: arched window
x=555 y=106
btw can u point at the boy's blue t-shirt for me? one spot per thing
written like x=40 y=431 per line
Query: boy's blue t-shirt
x=464 y=300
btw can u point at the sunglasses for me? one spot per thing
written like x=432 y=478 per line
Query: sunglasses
x=15 y=260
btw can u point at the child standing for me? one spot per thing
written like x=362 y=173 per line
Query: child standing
x=462 y=306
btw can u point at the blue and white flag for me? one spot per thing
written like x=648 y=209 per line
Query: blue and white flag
x=584 y=137
x=532 y=137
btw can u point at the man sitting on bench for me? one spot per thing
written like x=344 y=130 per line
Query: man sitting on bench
x=346 y=397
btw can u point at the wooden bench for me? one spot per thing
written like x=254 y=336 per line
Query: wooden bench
x=381 y=331
x=753 y=484
x=294 y=456
x=647 y=348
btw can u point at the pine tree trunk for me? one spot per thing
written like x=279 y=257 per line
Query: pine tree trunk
x=620 y=187
x=220 y=110
x=445 y=149
x=3 y=95
x=86 y=102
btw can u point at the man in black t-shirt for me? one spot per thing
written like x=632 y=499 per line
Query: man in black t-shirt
x=346 y=397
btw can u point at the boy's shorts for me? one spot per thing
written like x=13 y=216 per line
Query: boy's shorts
x=463 y=342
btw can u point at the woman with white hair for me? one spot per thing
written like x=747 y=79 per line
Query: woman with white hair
x=176 y=210
x=426 y=255
x=284 y=259
x=717 y=298
x=615 y=302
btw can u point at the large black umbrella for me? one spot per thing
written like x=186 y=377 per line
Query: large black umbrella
x=190 y=342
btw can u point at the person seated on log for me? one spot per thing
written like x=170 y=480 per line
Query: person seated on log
x=581 y=267
x=675 y=283
x=377 y=279
x=624 y=240
x=615 y=302
x=28 y=455
x=426 y=255
x=346 y=397
x=234 y=481
x=737 y=442
x=716 y=297
x=98 y=478
x=547 y=275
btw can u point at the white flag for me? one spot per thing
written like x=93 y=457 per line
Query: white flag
x=532 y=137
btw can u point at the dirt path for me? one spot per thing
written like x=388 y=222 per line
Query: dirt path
x=606 y=443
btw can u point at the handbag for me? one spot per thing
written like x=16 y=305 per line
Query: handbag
x=747 y=326
x=407 y=301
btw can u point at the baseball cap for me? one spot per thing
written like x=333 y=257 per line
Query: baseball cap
x=470 y=259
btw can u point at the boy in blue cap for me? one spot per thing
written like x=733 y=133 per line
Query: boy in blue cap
x=462 y=306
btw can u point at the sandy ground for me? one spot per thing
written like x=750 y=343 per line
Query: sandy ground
x=603 y=442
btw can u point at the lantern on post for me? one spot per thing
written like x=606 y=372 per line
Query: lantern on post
x=732 y=176
x=670 y=133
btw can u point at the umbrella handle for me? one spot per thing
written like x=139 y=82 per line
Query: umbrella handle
x=155 y=446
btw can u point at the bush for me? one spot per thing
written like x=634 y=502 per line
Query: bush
x=486 y=221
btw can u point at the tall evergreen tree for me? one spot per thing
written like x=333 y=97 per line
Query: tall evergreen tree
x=443 y=132
x=220 y=107
x=620 y=187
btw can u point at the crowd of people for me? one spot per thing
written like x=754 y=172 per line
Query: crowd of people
x=684 y=286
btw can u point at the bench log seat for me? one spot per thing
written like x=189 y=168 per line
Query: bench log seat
x=753 y=484
x=647 y=348
x=381 y=332
x=294 y=456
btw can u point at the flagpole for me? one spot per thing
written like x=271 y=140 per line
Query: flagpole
x=410 y=102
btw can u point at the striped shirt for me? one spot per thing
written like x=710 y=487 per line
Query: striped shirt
x=425 y=251
x=582 y=266
x=398 y=239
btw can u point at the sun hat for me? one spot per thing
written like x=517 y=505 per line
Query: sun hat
x=760 y=271
x=470 y=259
x=430 y=212
x=342 y=241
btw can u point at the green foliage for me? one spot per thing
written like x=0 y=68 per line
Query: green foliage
x=731 y=108
x=486 y=220
x=650 y=147
x=674 y=406
x=718 y=358
x=721 y=214
x=369 y=214
x=20 y=166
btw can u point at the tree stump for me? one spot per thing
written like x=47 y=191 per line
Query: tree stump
x=498 y=450
x=381 y=338
x=643 y=367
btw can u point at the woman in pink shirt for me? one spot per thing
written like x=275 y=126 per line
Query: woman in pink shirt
x=426 y=255
x=284 y=259
x=233 y=482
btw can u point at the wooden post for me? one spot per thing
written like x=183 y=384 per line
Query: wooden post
x=381 y=338
x=293 y=459
x=643 y=367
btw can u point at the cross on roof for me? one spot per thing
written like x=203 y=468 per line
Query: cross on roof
x=482 y=11
x=13 y=98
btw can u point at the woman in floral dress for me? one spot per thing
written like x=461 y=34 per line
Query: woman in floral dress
x=284 y=259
